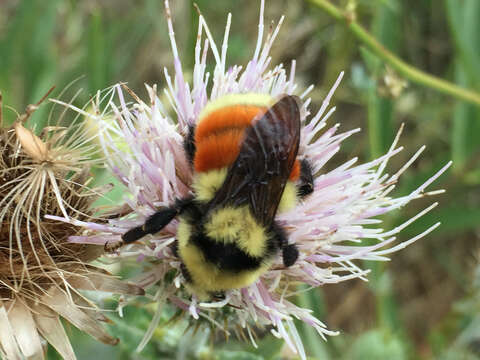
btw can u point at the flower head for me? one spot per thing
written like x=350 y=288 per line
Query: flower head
x=41 y=273
x=328 y=227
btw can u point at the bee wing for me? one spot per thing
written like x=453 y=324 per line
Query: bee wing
x=262 y=168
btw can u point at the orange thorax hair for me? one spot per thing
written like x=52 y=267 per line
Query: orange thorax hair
x=219 y=135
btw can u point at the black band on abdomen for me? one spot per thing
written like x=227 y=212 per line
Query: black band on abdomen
x=226 y=256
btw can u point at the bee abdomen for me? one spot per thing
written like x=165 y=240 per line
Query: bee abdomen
x=222 y=262
x=226 y=256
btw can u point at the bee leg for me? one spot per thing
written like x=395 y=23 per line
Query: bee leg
x=159 y=220
x=110 y=247
x=133 y=235
x=289 y=251
x=306 y=179
x=189 y=144
x=154 y=224
x=185 y=273
x=290 y=254
x=175 y=248
x=218 y=295
x=129 y=237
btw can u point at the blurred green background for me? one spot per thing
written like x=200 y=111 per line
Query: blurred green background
x=425 y=303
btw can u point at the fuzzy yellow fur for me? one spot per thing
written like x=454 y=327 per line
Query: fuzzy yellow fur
x=237 y=99
x=237 y=225
x=207 y=277
x=206 y=184
x=289 y=198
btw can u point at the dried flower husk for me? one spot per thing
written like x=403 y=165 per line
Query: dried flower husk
x=41 y=273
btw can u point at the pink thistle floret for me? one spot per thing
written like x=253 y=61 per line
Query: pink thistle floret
x=144 y=145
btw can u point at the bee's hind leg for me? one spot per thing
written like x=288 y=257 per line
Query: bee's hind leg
x=289 y=251
x=185 y=273
x=189 y=144
x=218 y=296
x=290 y=254
x=183 y=268
x=154 y=224
x=305 y=187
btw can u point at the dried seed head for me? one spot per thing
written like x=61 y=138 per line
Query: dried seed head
x=31 y=143
x=41 y=273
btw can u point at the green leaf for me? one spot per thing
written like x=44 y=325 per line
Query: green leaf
x=268 y=348
x=377 y=345
x=465 y=128
x=454 y=218
x=464 y=27
x=380 y=108
x=26 y=51
x=97 y=54
x=131 y=328
x=312 y=300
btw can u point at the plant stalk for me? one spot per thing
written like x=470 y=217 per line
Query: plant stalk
x=408 y=71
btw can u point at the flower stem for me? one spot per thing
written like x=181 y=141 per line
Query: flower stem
x=413 y=74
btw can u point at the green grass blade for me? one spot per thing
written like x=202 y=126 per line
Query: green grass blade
x=380 y=108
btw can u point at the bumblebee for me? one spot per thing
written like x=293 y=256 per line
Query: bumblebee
x=243 y=150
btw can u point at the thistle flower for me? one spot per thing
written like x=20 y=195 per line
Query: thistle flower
x=342 y=210
x=41 y=273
